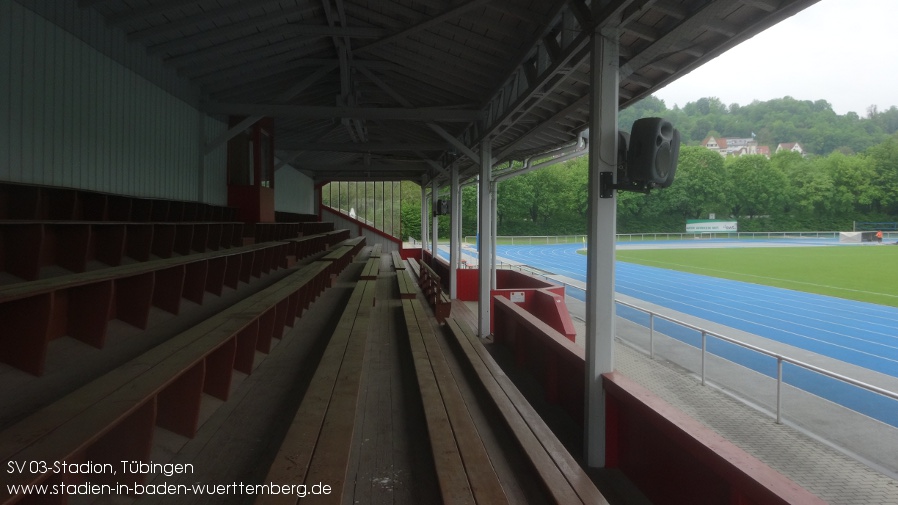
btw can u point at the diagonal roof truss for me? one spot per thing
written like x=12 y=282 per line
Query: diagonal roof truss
x=403 y=89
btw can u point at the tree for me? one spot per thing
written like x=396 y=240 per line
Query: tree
x=512 y=208
x=755 y=186
x=698 y=187
x=854 y=181
x=809 y=188
x=884 y=160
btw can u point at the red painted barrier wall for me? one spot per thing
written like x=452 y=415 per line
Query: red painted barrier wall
x=671 y=457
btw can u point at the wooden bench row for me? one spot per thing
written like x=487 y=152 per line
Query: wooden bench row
x=302 y=247
x=269 y=232
x=407 y=288
x=26 y=247
x=24 y=201
x=559 y=473
x=294 y=217
x=372 y=268
x=463 y=467
x=34 y=313
x=112 y=418
x=315 y=228
x=398 y=262
x=545 y=353
x=432 y=289
x=344 y=252
x=317 y=446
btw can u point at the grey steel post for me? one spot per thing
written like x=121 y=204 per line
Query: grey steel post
x=435 y=231
x=455 y=238
x=423 y=216
x=602 y=227
x=483 y=247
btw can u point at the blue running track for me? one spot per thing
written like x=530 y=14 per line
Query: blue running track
x=862 y=334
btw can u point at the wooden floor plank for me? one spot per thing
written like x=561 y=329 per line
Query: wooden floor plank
x=331 y=459
x=481 y=475
x=545 y=466
x=450 y=469
x=292 y=463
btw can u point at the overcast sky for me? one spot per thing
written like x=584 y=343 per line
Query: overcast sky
x=841 y=51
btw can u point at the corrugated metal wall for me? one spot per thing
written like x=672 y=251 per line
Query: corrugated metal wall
x=71 y=116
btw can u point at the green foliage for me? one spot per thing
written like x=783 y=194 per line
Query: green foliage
x=852 y=176
x=812 y=124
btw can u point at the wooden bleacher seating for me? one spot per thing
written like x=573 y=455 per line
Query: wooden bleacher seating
x=407 y=287
x=293 y=217
x=33 y=202
x=315 y=228
x=433 y=292
x=415 y=265
x=80 y=305
x=317 y=446
x=398 y=262
x=463 y=457
x=463 y=467
x=560 y=474
x=372 y=269
x=343 y=254
x=112 y=418
x=302 y=247
x=31 y=245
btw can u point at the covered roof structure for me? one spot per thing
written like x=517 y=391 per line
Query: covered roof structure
x=433 y=91
x=404 y=89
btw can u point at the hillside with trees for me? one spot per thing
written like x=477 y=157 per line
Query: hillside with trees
x=812 y=124
x=849 y=174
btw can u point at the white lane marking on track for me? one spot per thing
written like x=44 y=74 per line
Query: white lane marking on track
x=757 y=317
x=799 y=335
x=764 y=305
x=570 y=250
x=662 y=264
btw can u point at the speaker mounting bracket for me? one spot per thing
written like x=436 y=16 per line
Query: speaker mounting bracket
x=607 y=185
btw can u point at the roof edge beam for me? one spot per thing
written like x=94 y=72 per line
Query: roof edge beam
x=338 y=112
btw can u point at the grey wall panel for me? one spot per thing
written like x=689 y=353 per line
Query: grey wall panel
x=293 y=191
x=72 y=116
x=215 y=174
x=5 y=85
x=89 y=26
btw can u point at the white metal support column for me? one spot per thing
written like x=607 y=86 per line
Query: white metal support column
x=435 y=228
x=423 y=215
x=494 y=217
x=602 y=227
x=485 y=257
x=455 y=236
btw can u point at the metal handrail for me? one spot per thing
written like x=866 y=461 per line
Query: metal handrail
x=780 y=359
x=705 y=333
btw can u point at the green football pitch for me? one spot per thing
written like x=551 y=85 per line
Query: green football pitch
x=867 y=273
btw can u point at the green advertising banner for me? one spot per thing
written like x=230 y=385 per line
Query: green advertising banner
x=710 y=226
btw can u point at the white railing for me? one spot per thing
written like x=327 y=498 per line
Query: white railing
x=780 y=359
x=705 y=333
x=532 y=239
x=765 y=235
x=641 y=237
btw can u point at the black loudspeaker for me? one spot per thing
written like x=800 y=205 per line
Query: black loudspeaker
x=623 y=145
x=442 y=208
x=653 y=152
